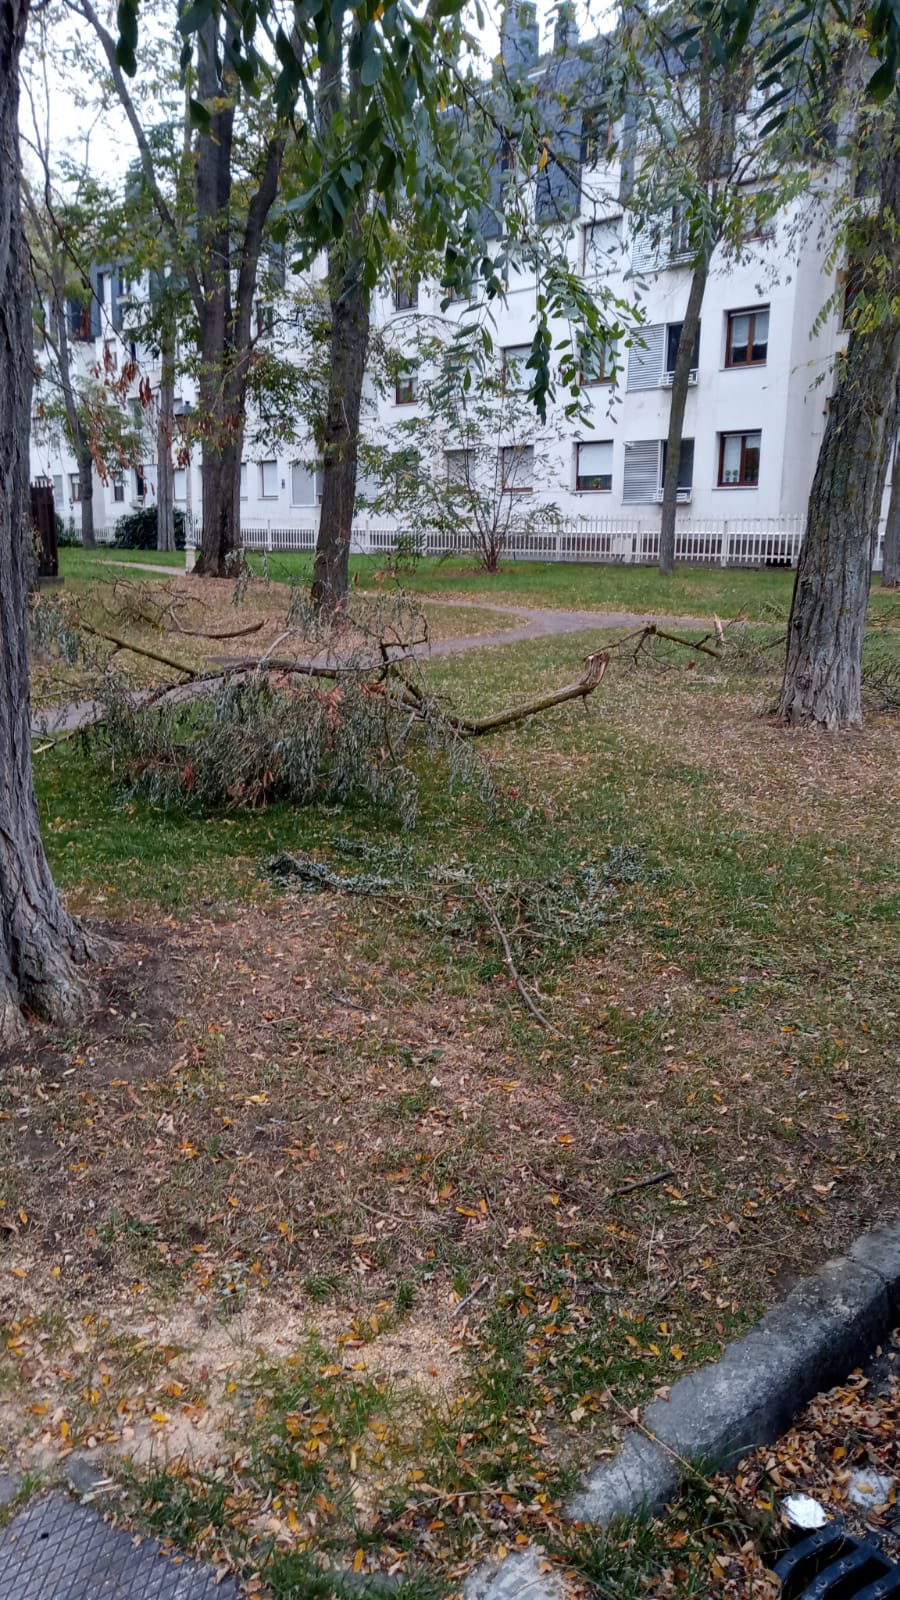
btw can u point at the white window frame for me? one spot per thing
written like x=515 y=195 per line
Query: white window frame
x=593 y=444
x=526 y=453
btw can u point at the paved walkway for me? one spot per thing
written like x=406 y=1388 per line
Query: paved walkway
x=538 y=622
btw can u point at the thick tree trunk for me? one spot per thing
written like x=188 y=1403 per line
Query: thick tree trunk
x=680 y=384
x=165 y=428
x=890 y=572
x=220 y=478
x=40 y=945
x=86 y=480
x=349 y=347
x=823 y=665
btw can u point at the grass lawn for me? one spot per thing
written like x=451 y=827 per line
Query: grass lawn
x=311 y=1208
x=692 y=591
x=75 y=562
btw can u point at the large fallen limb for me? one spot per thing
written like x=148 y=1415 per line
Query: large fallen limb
x=595 y=667
x=383 y=677
x=138 y=649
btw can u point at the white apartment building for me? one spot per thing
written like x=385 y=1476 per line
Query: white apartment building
x=755 y=415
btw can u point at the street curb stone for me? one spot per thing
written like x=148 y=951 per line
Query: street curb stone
x=828 y=1324
x=517 y=1577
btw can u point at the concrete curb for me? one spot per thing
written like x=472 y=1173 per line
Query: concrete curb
x=826 y=1327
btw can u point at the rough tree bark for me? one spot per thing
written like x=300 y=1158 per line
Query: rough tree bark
x=890 y=572
x=349 y=345
x=823 y=665
x=41 y=947
x=680 y=384
x=349 y=307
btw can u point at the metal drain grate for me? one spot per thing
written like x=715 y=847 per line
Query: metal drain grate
x=57 y=1549
x=833 y=1565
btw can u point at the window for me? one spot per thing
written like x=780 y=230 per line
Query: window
x=593 y=466
x=680 y=234
x=515 y=363
x=599 y=367
x=597 y=136
x=685 y=469
x=747 y=339
x=244 y=486
x=739 y=460
x=140 y=484
x=406 y=294
x=179 y=480
x=601 y=248
x=758 y=222
x=458 y=466
x=79 y=320
x=268 y=480
x=306 y=484
x=58 y=490
x=118 y=487
x=406 y=390
x=673 y=335
x=265 y=319
x=517 y=468
x=75 y=486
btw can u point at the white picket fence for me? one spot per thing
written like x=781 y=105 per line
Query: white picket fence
x=629 y=541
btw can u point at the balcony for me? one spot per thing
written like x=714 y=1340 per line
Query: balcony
x=684 y=497
x=668 y=378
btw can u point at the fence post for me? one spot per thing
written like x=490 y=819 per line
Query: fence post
x=269 y=538
x=723 y=558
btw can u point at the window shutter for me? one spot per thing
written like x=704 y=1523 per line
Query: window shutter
x=641 y=480
x=115 y=291
x=595 y=460
x=645 y=359
x=96 y=302
x=302 y=485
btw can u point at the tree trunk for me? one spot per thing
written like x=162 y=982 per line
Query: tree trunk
x=165 y=428
x=349 y=347
x=823 y=664
x=86 y=481
x=680 y=385
x=890 y=572
x=40 y=945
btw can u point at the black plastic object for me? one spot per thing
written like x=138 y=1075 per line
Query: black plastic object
x=833 y=1565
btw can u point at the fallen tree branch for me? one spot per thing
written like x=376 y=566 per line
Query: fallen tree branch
x=230 y=633
x=642 y=1183
x=511 y=967
x=595 y=665
x=138 y=650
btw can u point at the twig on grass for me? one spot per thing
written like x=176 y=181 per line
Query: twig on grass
x=642 y=1183
x=512 y=969
x=461 y=1305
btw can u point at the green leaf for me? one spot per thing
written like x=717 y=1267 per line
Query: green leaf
x=192 y=20
x=371 y=69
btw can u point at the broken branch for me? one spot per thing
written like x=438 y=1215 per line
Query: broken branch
x=511 y=967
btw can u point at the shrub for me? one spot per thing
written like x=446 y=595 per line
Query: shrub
x=139 y=530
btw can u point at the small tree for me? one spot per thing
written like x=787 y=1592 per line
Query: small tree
x=461 y=473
